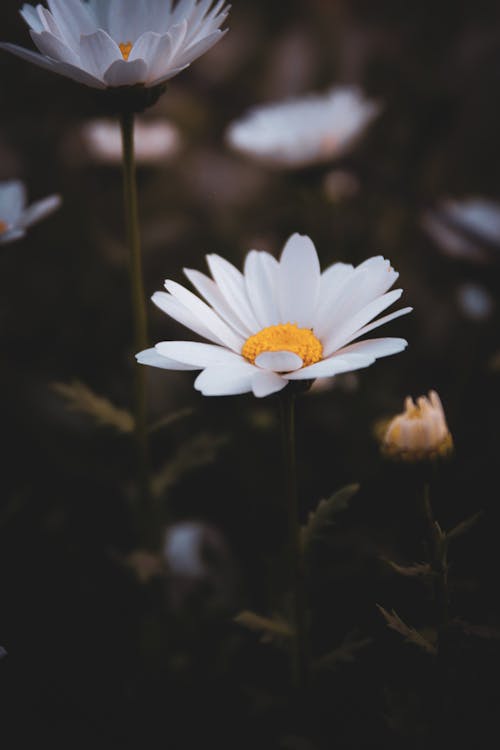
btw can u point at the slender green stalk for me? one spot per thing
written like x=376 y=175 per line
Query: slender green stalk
x=296 y=560
x=438 y=551
x=139 y=315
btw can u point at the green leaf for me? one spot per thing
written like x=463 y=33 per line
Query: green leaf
x=345 y=653
x=323 y=518
x=171 y=419
x=411 y=635
x=80 y=398
x=270 y=628
x=200 y=451
x=463 y=527
x=417 y=570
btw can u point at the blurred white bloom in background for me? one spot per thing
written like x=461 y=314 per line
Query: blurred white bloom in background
x=304 y=131
x=475 y=301
x=155 y=140
x=420 y=432
x=16 y=216
x=278 y=322
x=198 y=564
x=113 y=43
x=466 y=230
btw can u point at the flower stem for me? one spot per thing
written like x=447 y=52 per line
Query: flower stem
x=139 y=319
x=296 y=560
x=438 y=550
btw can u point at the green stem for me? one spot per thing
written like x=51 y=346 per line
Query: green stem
x=139 y=322
x=438 y=550
x=296 y=564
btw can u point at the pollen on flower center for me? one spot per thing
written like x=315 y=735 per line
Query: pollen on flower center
x=126 y=49
x=284 y=337
x=3 y=227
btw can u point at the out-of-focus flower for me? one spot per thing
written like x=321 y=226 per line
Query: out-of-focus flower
x=197 y=563
x=466 y=230
x=340 y=184
x=304 y=131
x=155 y=141
x=420 y=432
x=278 y=322
x=114 y=43
x=475 y=301
x=15 y=216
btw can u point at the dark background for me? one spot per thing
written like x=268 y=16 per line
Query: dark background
x=93 y=655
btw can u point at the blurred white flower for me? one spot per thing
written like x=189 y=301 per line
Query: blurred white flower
x=278 y=322
x=475 y=301
x=420 y=432
x=465 y=229
x=155 y=140
x=113 y=43
x=304 y=131
x=15 y=216
x=198 y=564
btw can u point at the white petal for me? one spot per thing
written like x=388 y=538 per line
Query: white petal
x=340 y=335
x=40 y=210
x=261 y=279
x=376 y=348
x=179 y=312
x=379 y=322
x=232 y=286
x=279 y=361
x=197 y=354
x=97 y=52
x=11 y=235
x=146 y=48
x=159 y=57
x=73 y=19
x=12 y=201
x=229 y=380
x=50 y=45
x=123 y=73
x=299 y=281
x=332 y=366
x=171 y=73
x=266 y=383
x=332 y=283
x=198 y=49
x=64 y=69
x=153 y=359
x=209 y=289
x=30 y=15
x=206 y=316
x=128 y=19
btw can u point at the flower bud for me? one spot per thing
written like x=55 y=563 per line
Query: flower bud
x=420 y=433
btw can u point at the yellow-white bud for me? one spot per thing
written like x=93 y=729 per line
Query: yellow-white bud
x=420 y=432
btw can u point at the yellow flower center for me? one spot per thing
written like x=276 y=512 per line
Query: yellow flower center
x=125 y=49
x=3 y=227
x=286 y=337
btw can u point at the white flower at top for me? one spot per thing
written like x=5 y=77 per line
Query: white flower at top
x=279 y=321
x=16 y=216
x=113 y=43
x=304 y=131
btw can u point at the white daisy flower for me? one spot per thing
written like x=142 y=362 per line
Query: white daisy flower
x=278 y=321
x=154 y=141
x=304 y=131
x=112 y=43
x=15 y=216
